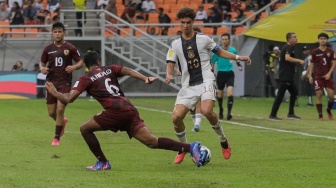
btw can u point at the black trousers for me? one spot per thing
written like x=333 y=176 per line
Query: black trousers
x=79 y=16
x=283 y=86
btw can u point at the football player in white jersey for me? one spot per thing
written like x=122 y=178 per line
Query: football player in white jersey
x=192 y=53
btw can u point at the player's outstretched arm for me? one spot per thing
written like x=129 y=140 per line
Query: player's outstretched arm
x=63 y=97
x=136 y=74
x=229 y=55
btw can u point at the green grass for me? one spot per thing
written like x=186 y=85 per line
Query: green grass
x=262 y=154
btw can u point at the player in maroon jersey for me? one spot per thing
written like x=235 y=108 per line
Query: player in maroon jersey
x=321 y=74
x=119 y=113
x=56 y=62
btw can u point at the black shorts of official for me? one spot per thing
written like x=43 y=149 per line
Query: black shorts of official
x=225 y=79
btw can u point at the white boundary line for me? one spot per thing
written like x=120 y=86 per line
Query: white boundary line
x=256 y=126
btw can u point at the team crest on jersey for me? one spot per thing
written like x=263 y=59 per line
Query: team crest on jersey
x=191 y=53
x=328 y=54
x=66 y=52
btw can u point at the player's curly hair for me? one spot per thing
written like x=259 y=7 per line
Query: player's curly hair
x=91 y=58
x=186 y=12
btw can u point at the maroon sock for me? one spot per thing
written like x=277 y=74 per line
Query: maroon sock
x=330 y=105
x=169 y=144
x=58 y=131
x=93 y=143
x=319 y=110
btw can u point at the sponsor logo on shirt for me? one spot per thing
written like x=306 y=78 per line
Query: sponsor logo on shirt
x=52 y=52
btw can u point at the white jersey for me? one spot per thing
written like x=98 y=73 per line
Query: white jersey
x=193 y=57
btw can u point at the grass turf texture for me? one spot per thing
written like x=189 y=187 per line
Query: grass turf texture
x=261 y=157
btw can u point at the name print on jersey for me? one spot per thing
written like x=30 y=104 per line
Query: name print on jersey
x=101 y=74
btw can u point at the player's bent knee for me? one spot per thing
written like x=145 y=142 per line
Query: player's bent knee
x=176 y=119
x=52 y=115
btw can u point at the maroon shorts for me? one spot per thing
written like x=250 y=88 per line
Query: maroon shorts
x=321 y=83
x=116 y=120
x=62 y=89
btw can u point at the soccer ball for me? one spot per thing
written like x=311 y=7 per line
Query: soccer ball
x=205 y=155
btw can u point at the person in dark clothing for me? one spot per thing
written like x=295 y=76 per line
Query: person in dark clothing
x=268 y=70
x=286 y=78
x=163 y=19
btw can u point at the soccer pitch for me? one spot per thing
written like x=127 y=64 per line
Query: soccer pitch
x=266 y=154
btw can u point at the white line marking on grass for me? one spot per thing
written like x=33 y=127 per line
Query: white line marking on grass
x=256 y=126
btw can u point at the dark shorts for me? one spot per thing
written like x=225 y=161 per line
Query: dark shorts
x=62 y=89
x=225 y=79
x=321 y=83
x=116 y=120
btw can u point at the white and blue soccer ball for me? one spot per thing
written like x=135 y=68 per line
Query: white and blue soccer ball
x=205 y=155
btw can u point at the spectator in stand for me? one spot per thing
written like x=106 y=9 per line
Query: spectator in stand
x=152 y=31
x=112 y=8
x=47 y=22
x=80 y=16
x=138 y=2
x=214 y=17
x=163 y=19
x=18 y=19
x=201 y=14
x=41 y=16
x=225 y=6
x=235 y=5
x=18 y=66
x=38 y=5
x=249 y=6
x=15 y=8
x=11 y=4
x=217 y=9
x=227 y=18
x=148 y=6
x=4 y=13
x=29 y=12
x=129 y=13
x=259 y=5
x=240 y=16
x=54 y=6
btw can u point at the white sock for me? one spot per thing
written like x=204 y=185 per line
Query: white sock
x=219 y=130
x=198 y=119
x=181 y=136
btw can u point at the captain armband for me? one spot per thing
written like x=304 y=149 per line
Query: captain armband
x=216 y=49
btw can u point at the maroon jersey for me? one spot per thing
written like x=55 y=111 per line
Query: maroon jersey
x=57 y=59
x=322 y=61
x=102 y=84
